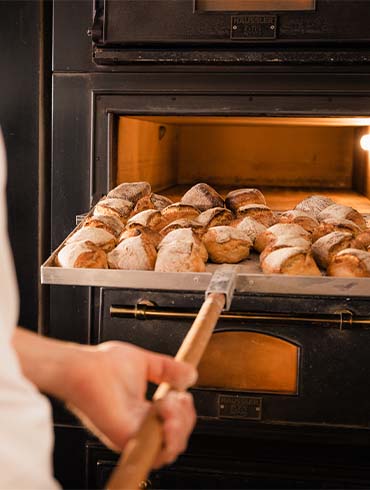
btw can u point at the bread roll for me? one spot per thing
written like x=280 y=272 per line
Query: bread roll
x=215 y=217
x=340 y=212
x=350 y=262
x=82 y=254
x=152 y=236
x=131 y=191
x=327 y=246
x=179 y=256
x=241 y=197
x=301 y=218
x=134 y=253
x=182 y=223
x=313 y=205
x=113 y=207
x=292 y=261
x=112 y=224
x=284 y=241
x=185 y=235
x=252 y=227
x=151 y=218
x=286 y=231
x=259 y=212
x=226 y=244
x=331 y=224
x=203 y=197
x=99 y=237
x=364 y=238
x=152 y=201
x=177 y=211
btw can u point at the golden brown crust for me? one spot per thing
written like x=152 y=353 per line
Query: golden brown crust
x=177 y=211
x=350 y=262
x=281 y=231
x=148 y=234
x=151 y=218
x=241 y=197
x=327 y=246
x=203 y=197
x=184 y=236
x=82 y=254
x=330 y=225
x=134 y=253
x=340 y=212
x=179 y=256
x=131 y=191
x=226 y=244
x=364 y=238
x=182 y=223
x=291 y=261
x=99 y=237
x=112 y=224
x=215 y=217
x=259 y=212
x=120 y=208
x=301 y=218
x=313 y=205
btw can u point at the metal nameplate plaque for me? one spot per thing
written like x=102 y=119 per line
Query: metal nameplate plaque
x=240 y=407
x=253 y=27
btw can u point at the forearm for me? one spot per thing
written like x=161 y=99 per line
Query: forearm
x=46 y=362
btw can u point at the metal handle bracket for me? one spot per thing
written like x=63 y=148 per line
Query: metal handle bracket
x=224 y=281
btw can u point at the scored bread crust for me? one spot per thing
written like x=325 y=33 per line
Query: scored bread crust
x=340 y=212
x=241 y=197
x=134 y=253
x=203 y=197
x=185 y=235
x=150 y=217
x=284 y=231
x=283 y=241
x=301 y=218
x=177 y=211
x=364 y=238
x=182 y=223
x=109 y=206
x=332 y=224
x=112 y=224
x=179 y=256
x=131 y=191
x=350 y=262
x=313 y=205
x=252 y=227
x=259 y=212
x=226 y=244
x=147 y=233
x=215 y=217
x=152 y=201
x=98 y=236
x=327 y=246
x=82 y=254
x=291 y=261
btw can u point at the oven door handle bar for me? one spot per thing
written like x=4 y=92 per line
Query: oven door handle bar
x=141 y=451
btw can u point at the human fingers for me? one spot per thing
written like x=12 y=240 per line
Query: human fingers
x=179 y=375
x=179 y=417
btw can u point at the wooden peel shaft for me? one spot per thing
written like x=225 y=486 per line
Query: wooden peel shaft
x=142 y=450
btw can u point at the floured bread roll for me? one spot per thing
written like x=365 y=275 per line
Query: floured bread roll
x=186 y=235
x=292 y=261
x=152 y=236
x=82 y=254
x=350 y=262
x=135 y=253
x=113 y=207
x=215 y=217
x=177 y=211
x=286 y=241
x=331 y=224
x=203 y=197
x=252 y=227
x=259 y=212
x=226 y=244
x=151 y=218
x=99 y=237
x=313 y=205
x=364 y=238
x=241 y=197
x=112 y=224
x=179 y=256
x=284 y=231
x=327 y=246
x=182 y=223
x=301 y=218
x=340 y=212
x=152 y=201
x=131 y=191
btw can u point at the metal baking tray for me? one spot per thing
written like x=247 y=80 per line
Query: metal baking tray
x=250 y=279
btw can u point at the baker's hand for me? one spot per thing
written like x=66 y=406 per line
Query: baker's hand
x=108 y=393
x=105 y=386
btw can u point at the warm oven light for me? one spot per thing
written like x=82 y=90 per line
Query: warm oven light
x=365 y=142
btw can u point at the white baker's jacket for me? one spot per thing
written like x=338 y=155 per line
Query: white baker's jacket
x=26 y=438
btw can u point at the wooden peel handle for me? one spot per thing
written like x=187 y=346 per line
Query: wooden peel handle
x=142 y=450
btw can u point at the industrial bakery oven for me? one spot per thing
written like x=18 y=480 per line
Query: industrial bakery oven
x=282 y=397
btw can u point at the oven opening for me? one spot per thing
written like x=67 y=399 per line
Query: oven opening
x=288 y=158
